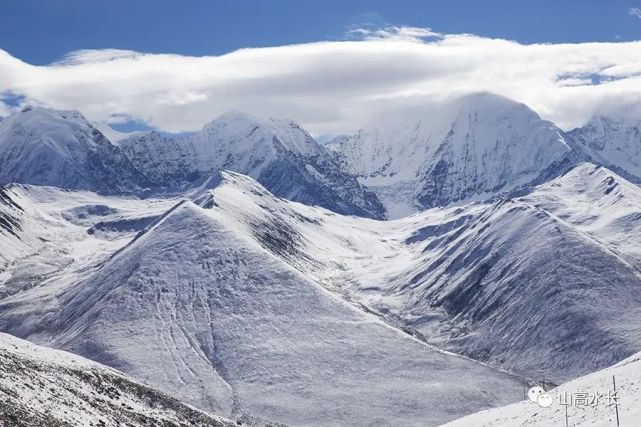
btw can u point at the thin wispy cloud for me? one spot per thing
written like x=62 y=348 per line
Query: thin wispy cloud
x=333 y=86
x=635 y=11
x=394 y=33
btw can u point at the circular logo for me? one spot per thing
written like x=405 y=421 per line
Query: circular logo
x=544 y=400
x=534 y=393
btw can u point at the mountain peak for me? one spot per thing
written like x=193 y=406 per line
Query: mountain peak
x=278 y=153
x=492 y=105
x=116 y=136
x=232 y=116
x=45 y=121
x=237 y=115
x=249 y=119
x=60 y=148
x=250 y=128
x=477 y=146
x=64 y=114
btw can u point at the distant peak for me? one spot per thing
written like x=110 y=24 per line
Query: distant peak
x=240 y=117
x=116 y=136
x=484 y=96
x=486 y=101
x=32 y=111
x=234 y=116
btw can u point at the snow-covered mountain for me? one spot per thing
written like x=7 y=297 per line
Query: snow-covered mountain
x=249 y=305
x=535 y=284
x=49 y=234
x=276 y=152
x=472 y=148
x=41 y=387
x=205 y=310
x=594 y=393
x=220 y=291
x=613 y=142
x=61 y=148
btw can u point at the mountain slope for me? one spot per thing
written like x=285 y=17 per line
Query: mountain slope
x=627 y=375
x=612 y=142
x=44 y=387
x=60 y=148
x=509 y=283
x=49 y=234
x=13 y=242
x=198 y=309
x=475 y=147
x=231 y=302
x=600 y=204
x=277 y=153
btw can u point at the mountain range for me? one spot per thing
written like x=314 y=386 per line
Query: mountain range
x=432 y=265
x=278 y=153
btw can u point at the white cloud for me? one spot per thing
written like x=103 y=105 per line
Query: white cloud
x=394 y=33
x=635 y=11
x=334 y=87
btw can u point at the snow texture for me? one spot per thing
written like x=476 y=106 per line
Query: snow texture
x=589 y=413
x=245 y=270
x=41 y=387
x=613 y=142
x=474 y=148
x=60 y=148
x=198 y=308
x=276 y=152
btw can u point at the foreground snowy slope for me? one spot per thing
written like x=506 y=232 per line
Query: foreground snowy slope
x=41 y=387
x=475 y=147
x=509 y=283
x=588 y=413
x=276 y=152
x=61 y=148
x=200 y=310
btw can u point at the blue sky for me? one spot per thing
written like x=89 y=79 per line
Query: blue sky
x=40 y=32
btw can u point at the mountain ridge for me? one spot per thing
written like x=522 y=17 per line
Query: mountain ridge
x=477 y=146
x=276 y=152
x=46 y=387
x=42 y=146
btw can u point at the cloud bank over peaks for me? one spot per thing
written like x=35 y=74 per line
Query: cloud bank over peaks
x=332 y=86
